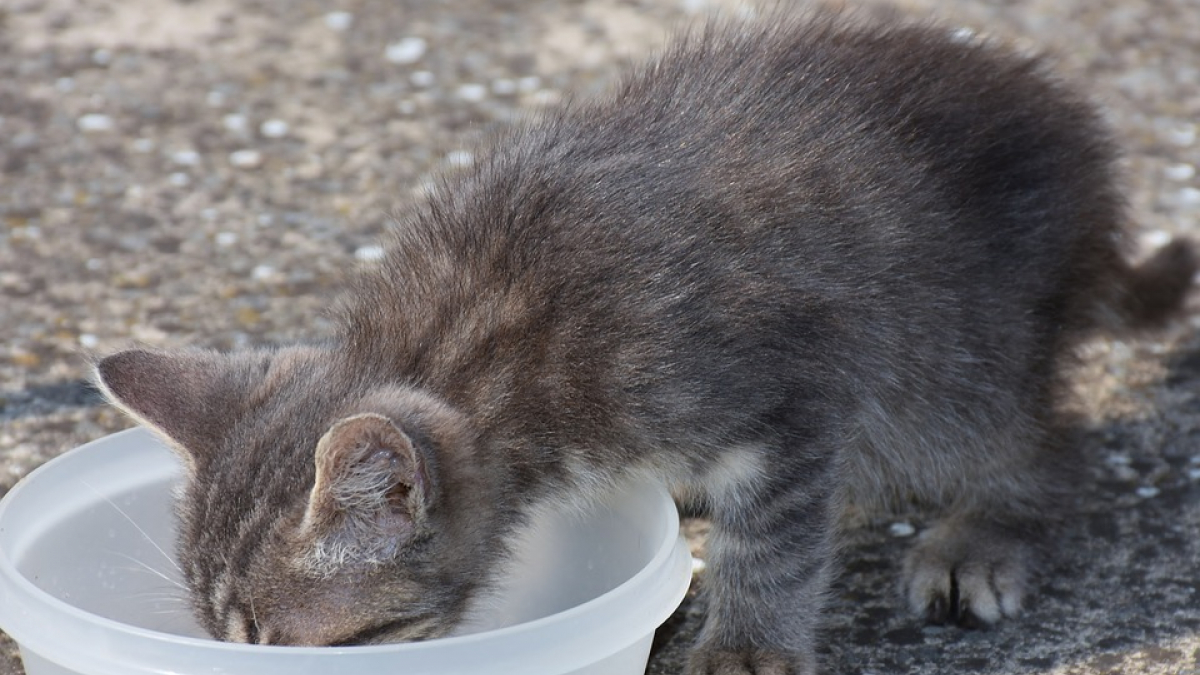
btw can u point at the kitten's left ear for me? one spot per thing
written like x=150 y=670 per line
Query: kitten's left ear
x=372 y=489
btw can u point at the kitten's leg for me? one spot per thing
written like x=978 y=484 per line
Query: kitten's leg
x=971 y=571
x=770 y=553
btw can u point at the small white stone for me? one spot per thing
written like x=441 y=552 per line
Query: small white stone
x=95 y=122
x=102 y=57
x=1155 y=238
x=274 y=128
x=408 y=50
x=902 y=529
x=88 y=341
x=698 y=565
x=1182 y=135
x=215 y=98
x=179 y=179
x=226 y=238
x=1180 y=172
x=1147 y=492
x=235 y=122
x=185 y=157
x=339 y=21
x=1194 y=473
x=245 y=159
x=264 y=219
x=529 y=84
x=1118 y=460
x=1189 y=196
x=460 y=158
x=422 y=78
x=65 y=84
x=144 y=145
x=369 y=253
x=504 y=87
x=472 y=92
x=962 y=35
x=263 y=272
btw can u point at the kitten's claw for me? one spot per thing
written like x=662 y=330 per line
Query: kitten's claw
x=966 y=576
x=748 y=662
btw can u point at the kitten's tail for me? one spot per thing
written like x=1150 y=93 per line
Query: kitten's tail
x=1154 y=291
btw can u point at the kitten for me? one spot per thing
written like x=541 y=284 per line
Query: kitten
x=785 y=267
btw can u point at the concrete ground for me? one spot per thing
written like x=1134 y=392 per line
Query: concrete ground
x=203 y=173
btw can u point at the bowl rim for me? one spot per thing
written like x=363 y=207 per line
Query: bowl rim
x=20 y=594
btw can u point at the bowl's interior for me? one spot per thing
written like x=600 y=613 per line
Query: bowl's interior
x=88 y=579
x=113 y=556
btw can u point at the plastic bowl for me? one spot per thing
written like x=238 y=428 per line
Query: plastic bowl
x=88 y=584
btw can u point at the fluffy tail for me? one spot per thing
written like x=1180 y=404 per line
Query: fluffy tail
x=1156 y=289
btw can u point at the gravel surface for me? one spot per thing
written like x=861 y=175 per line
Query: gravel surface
x=204 y=173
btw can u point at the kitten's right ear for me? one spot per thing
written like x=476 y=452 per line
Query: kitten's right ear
x=184 y=396
x=371 y=492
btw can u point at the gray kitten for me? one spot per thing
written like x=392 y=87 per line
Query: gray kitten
x=785 y=267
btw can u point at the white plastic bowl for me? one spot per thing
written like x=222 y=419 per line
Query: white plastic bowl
x=80 y=536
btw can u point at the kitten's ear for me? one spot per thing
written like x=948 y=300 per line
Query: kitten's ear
x=185 y=396
x=372 y=487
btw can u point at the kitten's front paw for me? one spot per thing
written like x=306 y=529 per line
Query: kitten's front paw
x=707 y=661
x=969 y=575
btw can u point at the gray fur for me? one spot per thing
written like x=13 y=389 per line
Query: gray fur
x=784 y=267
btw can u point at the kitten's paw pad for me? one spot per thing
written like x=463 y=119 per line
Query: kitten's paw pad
x=972 y=581
x=748 y=662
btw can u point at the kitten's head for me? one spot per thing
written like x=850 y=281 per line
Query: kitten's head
x=315 y=510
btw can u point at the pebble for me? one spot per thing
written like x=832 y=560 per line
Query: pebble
x=422 y=78
x=1189 y=196
x=1156 y=238
x=88 y=341
x=902 y=529
x=179 y=179
x=95 y=122
x=472 y=92
x=504 y=87
x=408 y=50
x=1180 y=172
x=529 y=84
x=1194 y=474
x=226 y=238
x=263 y=272
x=185 y=157
x=339 y=21
x=102 y=57
x=1182 y=135
x=246 y=159
x=460 y=158
x=1147 y=492
x=274 y=128
x=369 y=253
x=235 y=123
x=144 y=145
x=698 y=565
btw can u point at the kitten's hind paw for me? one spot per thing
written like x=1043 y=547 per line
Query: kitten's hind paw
x=707 y=661
x=971 y=576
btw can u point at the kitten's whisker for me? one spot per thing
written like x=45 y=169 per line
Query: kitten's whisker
x=254 y=618
x=145 y=566
x=134 y=523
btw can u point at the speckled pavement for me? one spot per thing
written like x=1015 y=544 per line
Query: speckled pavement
x=203 y=173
